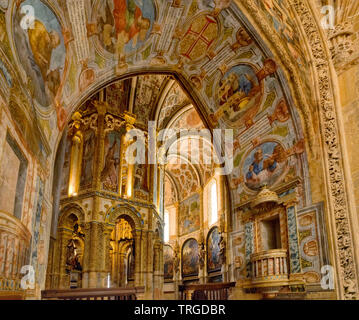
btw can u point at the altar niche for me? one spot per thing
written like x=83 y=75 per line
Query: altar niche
x=122 y=253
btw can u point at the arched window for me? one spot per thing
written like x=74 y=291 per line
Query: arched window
x=213 y=203
x=167 y=227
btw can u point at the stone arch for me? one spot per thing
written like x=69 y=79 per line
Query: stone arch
x=341 y=216
x=123 y=210
x=67 y=211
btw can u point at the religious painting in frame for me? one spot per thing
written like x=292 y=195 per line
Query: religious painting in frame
x=213 y=250
x=190 y=258
x=168 y=256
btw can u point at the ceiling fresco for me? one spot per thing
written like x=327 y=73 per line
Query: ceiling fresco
x=203 y=40
x=73 y=48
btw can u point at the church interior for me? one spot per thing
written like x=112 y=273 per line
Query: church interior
x=179 y=149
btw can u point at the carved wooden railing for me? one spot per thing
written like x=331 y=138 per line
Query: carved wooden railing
x=269 y=267
x=208 y=291
x=93 y=294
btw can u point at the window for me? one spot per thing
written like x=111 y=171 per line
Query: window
x=213 y=203
x=167 y=227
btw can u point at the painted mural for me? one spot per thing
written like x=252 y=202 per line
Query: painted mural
x=267 y=162
x=199 y=37
x=141 y=186
x=168 y=256
x=41 y=50
x=124 y=25
x=8 y=181
x=36 y=225
x=190 y=258
x=238 y=245
x=264 y=165
x=279 y=15
x=185 y=176
x=213 y=250
x=6 y=74
x=147 y=93
x=170 y=193
x=117 y=96
x=89 y=144
x=66 y=168
x=240 y=92
x=189 y=215
x=312 y=243
x=110 y=172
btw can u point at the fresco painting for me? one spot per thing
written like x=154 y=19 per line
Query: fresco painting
x=190 y=258
x=6 y=74
x=189 y=215
x=41 y=50
x=278 y=14
x=264 y=165
x=240 y=93
x=125 y=25
x=110 y=172
x=66 y=167
x=199 y=37
x=89 y=144
x=141 y=186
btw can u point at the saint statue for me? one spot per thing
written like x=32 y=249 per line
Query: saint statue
x=201 y=256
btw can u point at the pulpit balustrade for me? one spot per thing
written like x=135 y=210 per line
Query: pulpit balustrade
x=269 y=266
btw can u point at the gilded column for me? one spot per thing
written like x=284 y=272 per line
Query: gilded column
x=76 y=155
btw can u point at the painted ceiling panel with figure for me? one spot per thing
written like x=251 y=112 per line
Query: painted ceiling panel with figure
x=203 y=41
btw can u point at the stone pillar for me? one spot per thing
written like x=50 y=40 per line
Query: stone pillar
x=64 y=237
x=86 y=227
x=162 y=271
x=157 y=271
x=121 y=269
x=106 y=264
x=94 y=256
x=149 y=266
x=137 y=237
x=50 y=264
